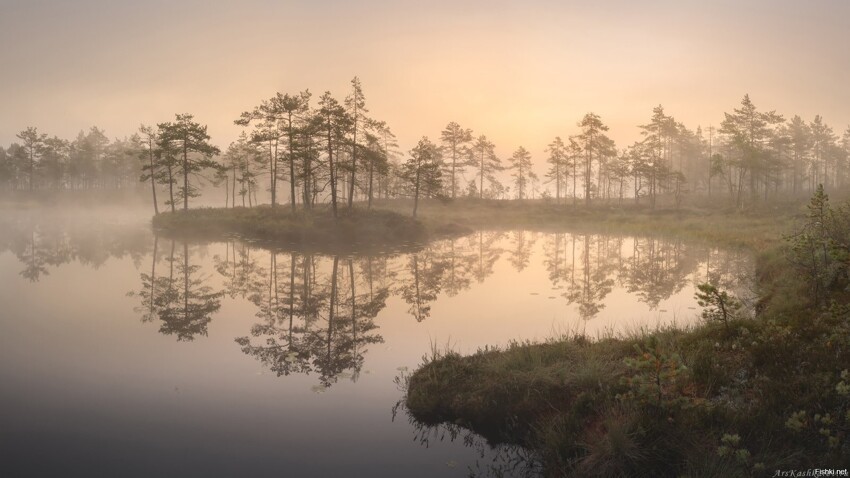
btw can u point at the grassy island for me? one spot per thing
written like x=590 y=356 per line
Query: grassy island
x=741 y=396
x=318 y=229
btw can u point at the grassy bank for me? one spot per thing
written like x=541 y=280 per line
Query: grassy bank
x=763 y=394
x=318 y=230
x=718 y=224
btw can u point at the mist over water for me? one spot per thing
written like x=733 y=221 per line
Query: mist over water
x=126 y=353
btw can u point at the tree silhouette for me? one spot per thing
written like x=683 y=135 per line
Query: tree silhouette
x=455 y=147
x=422 y=171
x=484 y=159
x=522 y=173
x=335 y=122
x=559 y=161
x=148 y=154
x=191 y=142
x=595 y=145
x=355 y=103
x=33 y=148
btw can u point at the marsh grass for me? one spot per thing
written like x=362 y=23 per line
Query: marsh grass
x=754 y=228
x=572 y=401
x=663 y=401
x=354 y=229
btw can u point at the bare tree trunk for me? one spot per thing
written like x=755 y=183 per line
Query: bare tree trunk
x=481 y=186
x=171 y=187
x=273 y=171
x=291 y=164
x=332 y=172
x=233 y=189
x=371 y=179
x=416 y=191
x=153 y=178
x=185 y=176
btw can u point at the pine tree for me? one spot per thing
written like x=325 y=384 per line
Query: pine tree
x=33 y=147
x=147 y=153
x=355 y=105
x=382 y=146
x=191 y=142
x=483 y=157
x=334 y=125
x=595 y=145
x=455 y=146
x=558 y=171
x=748 y=131
x=421 y=171
x=522 y=173
x=822 y=138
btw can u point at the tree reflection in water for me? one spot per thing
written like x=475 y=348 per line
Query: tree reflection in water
x=594 y=281
x=317 y=313
x=313 y=321
x=520 y=252
x=423 y=282
x=460 y=260
x=181 y=300
x=487 y=253
x=42 y=243
x=588 y=266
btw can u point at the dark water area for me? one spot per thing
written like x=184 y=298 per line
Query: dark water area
x=127 y=354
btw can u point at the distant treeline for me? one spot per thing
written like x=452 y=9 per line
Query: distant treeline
x=336 y=153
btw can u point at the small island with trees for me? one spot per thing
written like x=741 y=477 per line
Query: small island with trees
x=321 y=153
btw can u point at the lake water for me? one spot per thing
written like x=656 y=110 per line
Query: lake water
x=127 y=354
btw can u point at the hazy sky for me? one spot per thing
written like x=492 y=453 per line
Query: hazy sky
x=519 y=72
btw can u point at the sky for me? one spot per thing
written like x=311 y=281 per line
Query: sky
x=519 y=72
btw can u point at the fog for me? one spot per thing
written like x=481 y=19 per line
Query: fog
x=448 y=239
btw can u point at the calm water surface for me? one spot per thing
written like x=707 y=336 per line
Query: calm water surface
x=127 y=354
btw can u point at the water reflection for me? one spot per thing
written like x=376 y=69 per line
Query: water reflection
x=596 y=267
x=488 y=251
x=318 y=312
x=494 y=459
x=182 y=300
x=47 y=243
x=316 y=322
x=587 y=268
x=657 y=269
x=520 y=252
x=423 y=282
x=317 y=315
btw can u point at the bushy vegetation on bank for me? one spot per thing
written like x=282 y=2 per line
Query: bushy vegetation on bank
x=743 y=396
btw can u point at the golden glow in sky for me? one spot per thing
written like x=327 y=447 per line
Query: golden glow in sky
x=518 y=72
